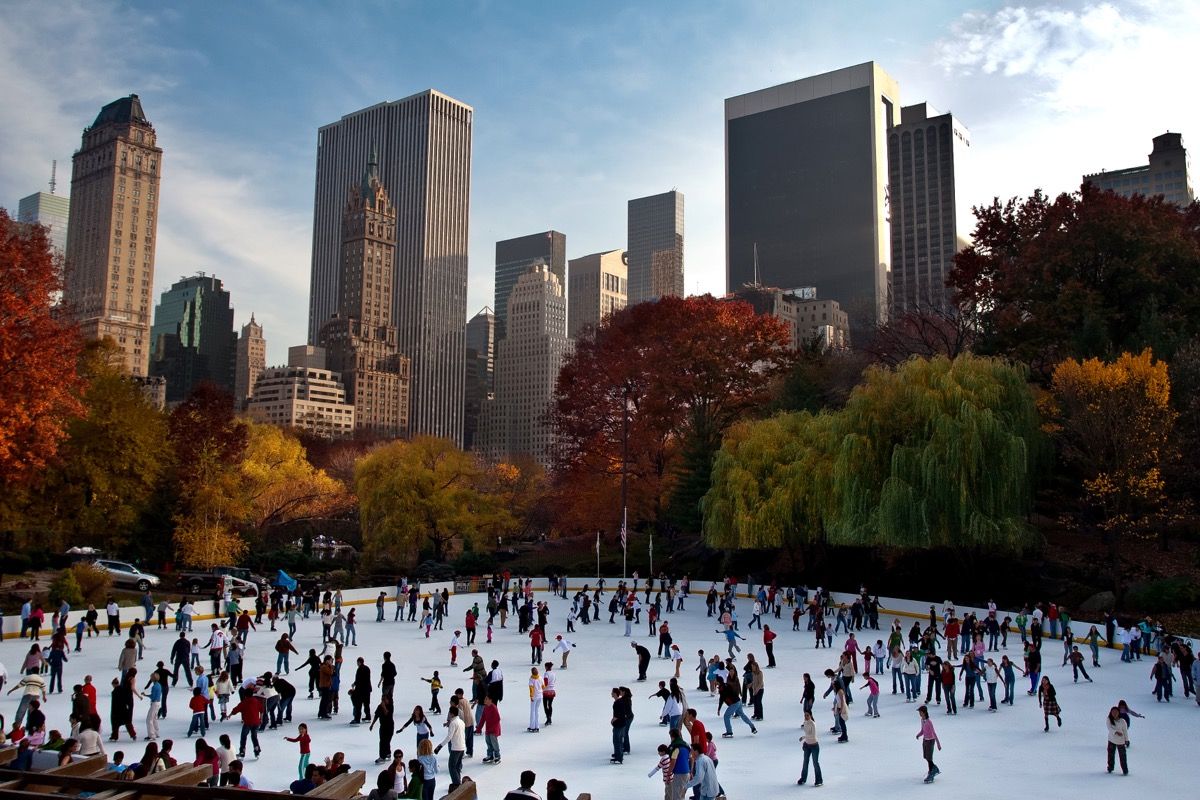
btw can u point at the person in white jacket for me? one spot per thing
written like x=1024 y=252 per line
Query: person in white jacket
x=456 y=737
x=563 y=646
x=1118 y=739
x=535 y=701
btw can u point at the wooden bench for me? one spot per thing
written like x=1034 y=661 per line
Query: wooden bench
x=84 y=766
x=342 y=787
x=179 y=775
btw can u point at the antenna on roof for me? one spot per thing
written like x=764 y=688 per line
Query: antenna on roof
x=53 y=172
x=756 y=263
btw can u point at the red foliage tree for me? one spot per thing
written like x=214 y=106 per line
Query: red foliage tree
x=39 y=393
x=1090 y=274
x=687 y=368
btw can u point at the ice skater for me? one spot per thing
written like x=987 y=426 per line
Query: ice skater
x=1048 y=700
x=929 y=738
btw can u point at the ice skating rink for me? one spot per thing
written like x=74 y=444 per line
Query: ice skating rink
x=986 y=755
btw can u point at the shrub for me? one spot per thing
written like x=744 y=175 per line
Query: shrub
x=474 y=564
x=66 y=588
x=94 y=583
x=338 y=579
x=1163 y=596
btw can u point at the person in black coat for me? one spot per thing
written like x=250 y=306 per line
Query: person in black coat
x=643 y=659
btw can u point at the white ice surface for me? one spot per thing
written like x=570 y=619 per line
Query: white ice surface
x=985 y=755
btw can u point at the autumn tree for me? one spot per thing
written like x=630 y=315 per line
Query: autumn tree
x=1113 y=421
x=209 y=443
x=923 y=332
x=1086 y=275
x=675 y=374
x=39 y=393
x=278 y=485
x=934 y=453
x=113 y=461
x=425 y=493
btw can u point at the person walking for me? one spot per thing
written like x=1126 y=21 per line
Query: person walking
x=812 y=750
x=1048 y=700
x=929 y=738
x=1118 y=739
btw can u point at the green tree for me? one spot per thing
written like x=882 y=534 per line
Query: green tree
x=113 y=460
x=933 y=453
x=425 y=493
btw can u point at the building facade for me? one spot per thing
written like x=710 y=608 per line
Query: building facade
x=1166 y=174
x=810 y=322
x=481 y=362
x=112 y=230
x=514 y=423
x=806 y=188
x=654 y=232
x=51 y=210
x=360 y=341
x=423 y=144
x=924 y=152
x=193 y=337
x=514 y=257
x=598 y=286
x=302 y=397
x=249 y=362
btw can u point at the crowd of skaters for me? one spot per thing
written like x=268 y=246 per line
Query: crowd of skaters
x=946 y=650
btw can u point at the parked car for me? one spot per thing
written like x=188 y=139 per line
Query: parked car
x=124 y=574
x=205 y=582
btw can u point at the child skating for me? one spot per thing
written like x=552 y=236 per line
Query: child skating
x=305 y=743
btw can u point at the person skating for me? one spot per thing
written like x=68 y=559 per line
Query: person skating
x=1118 y=739
x=535 y=700
x=643 y=656
x=622 y=718
x=929 y=738
x=1076 y=659
x=549 y=691
x=729 y=694
x=1048 y=700
x=812 y=750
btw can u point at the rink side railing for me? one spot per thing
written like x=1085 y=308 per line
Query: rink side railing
x=367 y=596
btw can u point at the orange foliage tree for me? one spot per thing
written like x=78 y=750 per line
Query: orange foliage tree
x=683 y=370
x=1114 y=423
x=39 y=393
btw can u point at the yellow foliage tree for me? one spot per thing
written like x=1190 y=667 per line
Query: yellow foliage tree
x=278 y=485
x=1113 y=421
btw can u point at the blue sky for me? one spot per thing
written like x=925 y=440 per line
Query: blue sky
x=578 y=107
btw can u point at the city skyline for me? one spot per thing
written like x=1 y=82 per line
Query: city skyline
x=240 y=170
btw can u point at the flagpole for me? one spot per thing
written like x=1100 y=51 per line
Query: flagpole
x=624 y=482
x=597 y=558
x=651 y=555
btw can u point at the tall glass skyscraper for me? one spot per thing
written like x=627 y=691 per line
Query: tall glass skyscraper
x=51 y=210
x=655 y=247
x=423 y=144
x=193 y=336
x=806 y=188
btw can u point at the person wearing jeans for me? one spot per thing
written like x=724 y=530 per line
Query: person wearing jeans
x=622 y=718
x=251 y=709
x=812 y=751
x=730 y=696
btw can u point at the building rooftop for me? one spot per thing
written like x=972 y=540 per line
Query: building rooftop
x=126 y=110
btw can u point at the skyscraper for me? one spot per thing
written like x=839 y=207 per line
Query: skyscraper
x=655 y=241
x=527 y=363
x=806 y=188
x=924 y=151
x=48 y=209
x=423 y=144
x=598 y=286
x=1166 y=173
x=481 y=349
x=514 y=257
x=360 y=340
x=112 y=230
x=250 y=361
x=193 y=336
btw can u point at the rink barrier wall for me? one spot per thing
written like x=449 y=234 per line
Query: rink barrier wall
x=894 y=606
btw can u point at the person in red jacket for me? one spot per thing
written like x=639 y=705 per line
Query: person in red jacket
x=489 y=726
x=769 y=643
x=536 y=641
x=251 y=709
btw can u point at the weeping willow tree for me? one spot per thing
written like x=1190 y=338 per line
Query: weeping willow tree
x=936 y=452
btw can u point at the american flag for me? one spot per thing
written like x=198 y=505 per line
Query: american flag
x=624 y=529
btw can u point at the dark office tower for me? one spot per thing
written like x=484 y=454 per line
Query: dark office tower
x=806 y=188
x=360 y=340
x=193 y=336
x=112 y=230
x=514 y=257
x=481 y=350
x=924 y=151
x=655 y=247
x=424 y=147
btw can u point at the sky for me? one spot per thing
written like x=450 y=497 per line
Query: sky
x=578 y=107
